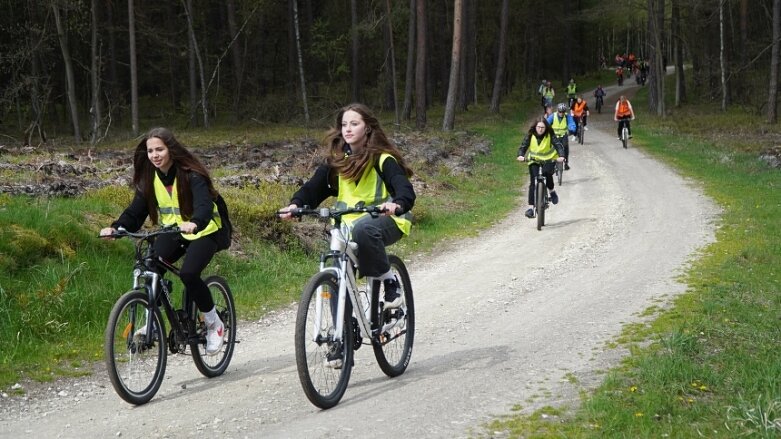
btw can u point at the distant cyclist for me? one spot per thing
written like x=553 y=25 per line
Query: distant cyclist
x=572 y=91
x=600 y=94
x=563 y=125
x=623 y=115
x=548 y=94
x=543 y=151
x=580 y=111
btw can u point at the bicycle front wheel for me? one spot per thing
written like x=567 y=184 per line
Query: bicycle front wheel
x=324 y=364
x=393 y=346
x=539 y=203
x=581 y=134
x=624 y=136
x=135 y=366
x=215 y=365
x=560 y=171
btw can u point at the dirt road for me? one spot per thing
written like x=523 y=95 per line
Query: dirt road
x=513 y=317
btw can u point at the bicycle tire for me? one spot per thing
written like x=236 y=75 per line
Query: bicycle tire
x=581 y=133
x=539 y=203
x=323 y=386
x=624 y=136
x=393 y=348
x=560 y=171
x=214 y=365
x=136 y=371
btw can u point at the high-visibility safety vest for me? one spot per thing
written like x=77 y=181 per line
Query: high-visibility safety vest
x=541 y=151
x=559 y=125
x=370 y=190
x=571 y=89
x=577 y=109
x=623 y=109
x=548 y=92
x=169 y=213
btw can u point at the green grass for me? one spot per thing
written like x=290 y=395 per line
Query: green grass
x=710 y=364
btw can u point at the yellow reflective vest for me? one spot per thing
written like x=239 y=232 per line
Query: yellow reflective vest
x=370 y=190
x=169 y=213
x=541 y=151
x=559 y=125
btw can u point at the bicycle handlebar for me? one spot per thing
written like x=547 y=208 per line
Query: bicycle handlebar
x=325 y=212
x=122 y=232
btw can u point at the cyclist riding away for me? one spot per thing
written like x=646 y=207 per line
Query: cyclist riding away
x=563 y=125
x=600 y=94
x=623 y=115
x=580 y=110
x=572 y=91
x=172 y=187
x=544 y=150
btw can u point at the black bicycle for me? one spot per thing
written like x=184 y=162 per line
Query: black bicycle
x=135 y=341
x=581 y=132
x=541 y=199
x=599 y=104
x=339 y=312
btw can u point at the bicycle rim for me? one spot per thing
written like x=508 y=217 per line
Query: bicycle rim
x=393 y=346
x=624 y=137
x=215 y=365
x=323 y=384
x=560 y=171
x=135 y=368
x=539 y=203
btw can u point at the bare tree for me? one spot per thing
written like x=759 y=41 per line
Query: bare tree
x=772 y=99
x=238 y=64
x=455 y=63
x=131 y=29
x=191 y=32
x=680 y=77
x=300 y=62
x=501 y=56
x=95 y=67
x=722 y=60
x=70 y=81
x=355 y=81
x=409 y=76
x=420 y=65
x=392 y=56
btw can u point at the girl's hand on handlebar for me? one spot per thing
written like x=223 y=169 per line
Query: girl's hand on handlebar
x=188 y=227
x=106 y=232
x=559 y=159
x=285 y=214
x=521 y=158
x=389 y=208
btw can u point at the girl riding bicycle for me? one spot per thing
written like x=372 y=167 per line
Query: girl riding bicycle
x=544 y=150
x=172 y=187
x=623 y=115
x=363 y=167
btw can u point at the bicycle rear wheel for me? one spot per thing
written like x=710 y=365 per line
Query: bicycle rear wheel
x=135 y=367
x=539 y=203
x=215 y=365
x=323 y=384
x=581 y=133
x=393 y=347
x=560 y=171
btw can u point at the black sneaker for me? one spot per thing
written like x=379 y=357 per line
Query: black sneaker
x=392 y=297
x=529 y=213
x=566 y=168
x=554 y=198
x=333 y=359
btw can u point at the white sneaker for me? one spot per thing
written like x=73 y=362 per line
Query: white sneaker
x=140 y=332
x=572 y=138
x=585 y=128
x=215 y=337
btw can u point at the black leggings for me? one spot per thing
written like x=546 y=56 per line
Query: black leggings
x=197 y=255
x=624 y=121
x=372 y=236
x=534 y=170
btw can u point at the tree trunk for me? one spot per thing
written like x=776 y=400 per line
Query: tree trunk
x=501 y=57
x=95 y=65
x=193 y=79
x=455 y=63
x=420 y=65
x=113 y=77
x=131 y=28
x=409 y=76
x=680 y=78
x=191 y=31
x=238 y=69
x=355 y=79
x=722 y=55
x=772 y=99
x=70 y=82
x=300 y=63
x=392 y=55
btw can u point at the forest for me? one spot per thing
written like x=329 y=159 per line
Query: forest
x=84 y=71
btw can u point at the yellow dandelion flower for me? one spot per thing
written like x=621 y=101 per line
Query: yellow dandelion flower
x=639 y=415
x=633 y=389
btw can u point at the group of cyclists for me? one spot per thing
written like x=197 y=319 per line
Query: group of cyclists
x=547 y=139
x=626 y=65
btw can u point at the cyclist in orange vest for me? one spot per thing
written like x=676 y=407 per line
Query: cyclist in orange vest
x=623 y=114
x=580 y=110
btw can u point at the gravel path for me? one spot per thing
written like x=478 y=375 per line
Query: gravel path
x=512 y=317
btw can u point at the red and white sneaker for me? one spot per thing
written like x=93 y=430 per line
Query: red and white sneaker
x=215 y=337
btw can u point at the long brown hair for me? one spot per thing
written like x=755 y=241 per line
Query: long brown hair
x=548 y=129
x=184 y=161
x=377 y=143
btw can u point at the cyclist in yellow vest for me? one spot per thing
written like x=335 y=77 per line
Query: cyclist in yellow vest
x=572 y=91
x=563 y=125
x=543 y=150
x=172 y=187
x=363 y=166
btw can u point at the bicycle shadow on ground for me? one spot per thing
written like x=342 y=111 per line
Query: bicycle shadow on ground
x=465 y=361
x=565 y=223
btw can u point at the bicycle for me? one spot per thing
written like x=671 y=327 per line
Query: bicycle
x=541 y=199
x=599 y=104
x=580 y=133
x=624 y=131
x=135 y=355
x=559 y=171
x=338 y=311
